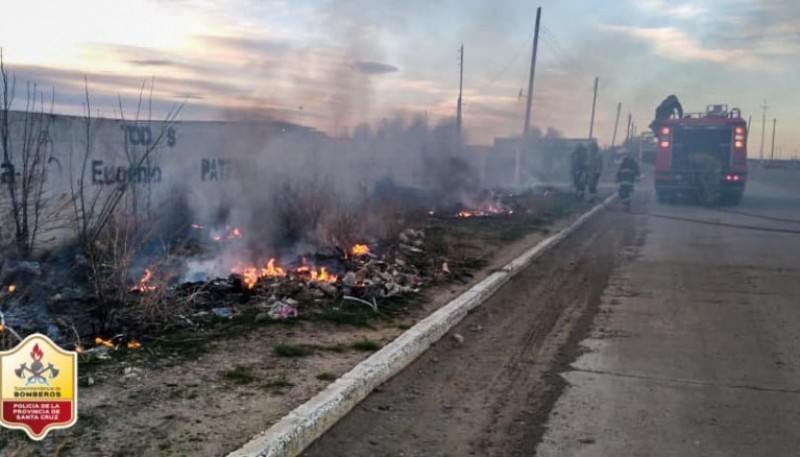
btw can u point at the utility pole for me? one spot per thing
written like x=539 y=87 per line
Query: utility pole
x=628 y=131
x=616 y=124
x=594 y=102
x=763 y=129
x=460 y=90
x=526 y=128
x=772 y=154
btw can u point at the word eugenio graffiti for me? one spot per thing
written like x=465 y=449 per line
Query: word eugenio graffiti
x=120 y=175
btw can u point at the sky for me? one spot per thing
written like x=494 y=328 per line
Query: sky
x=333 y=64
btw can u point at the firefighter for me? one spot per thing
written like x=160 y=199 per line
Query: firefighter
x=595 y=167
x=579 y=162
x=666 y=109
x=626 y=177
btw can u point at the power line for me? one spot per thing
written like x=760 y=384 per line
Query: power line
x=560 y=49
x=509 y=63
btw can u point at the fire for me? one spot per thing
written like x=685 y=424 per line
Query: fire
x=143 y=286
x=303 y=268
x=271 y=271
x=133 y=344
x=12 y=288
x=485 y=211
x=234 y=233
x=360 y=250
x=250 y=277
x=101 y=342
x=322 y=276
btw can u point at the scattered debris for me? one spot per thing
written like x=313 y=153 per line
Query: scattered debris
x=282 y=310
x=225 y=313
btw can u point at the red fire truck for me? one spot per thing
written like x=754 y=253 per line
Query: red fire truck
x=702 y=156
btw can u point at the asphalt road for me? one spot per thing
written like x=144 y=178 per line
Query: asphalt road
x=671 y=331
x=696 y=350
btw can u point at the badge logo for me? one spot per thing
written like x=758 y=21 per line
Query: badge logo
x=38 y=387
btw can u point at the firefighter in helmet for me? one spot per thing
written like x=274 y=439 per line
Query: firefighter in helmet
x=594 y=167
x=626 y=178
x=666 y=109
x=579 y=161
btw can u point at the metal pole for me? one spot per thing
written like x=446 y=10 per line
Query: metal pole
x=594 y=102
x=616 y=124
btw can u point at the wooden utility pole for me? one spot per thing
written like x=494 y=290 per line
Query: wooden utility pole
x=772 y=154
x=616 y=124
x=460 y=90
x=594 y=103
x=628 y=130
x=526 y=128
x=763 y=130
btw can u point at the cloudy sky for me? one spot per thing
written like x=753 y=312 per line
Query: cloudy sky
x=333 y=64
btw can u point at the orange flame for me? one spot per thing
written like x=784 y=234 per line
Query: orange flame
x=101 y=342
x=322 y=276
x=360 y=250
x=303 y=268
x=271 y=271
x=489 y=210
x=12 y=288
x=37 y=352
x=143 y=286
x=133 y=344
x=250 y=277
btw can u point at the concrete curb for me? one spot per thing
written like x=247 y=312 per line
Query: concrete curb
x=297 y=430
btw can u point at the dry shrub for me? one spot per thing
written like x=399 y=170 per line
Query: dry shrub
x=299 y=208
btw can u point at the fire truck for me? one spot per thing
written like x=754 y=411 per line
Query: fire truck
x=702 y=156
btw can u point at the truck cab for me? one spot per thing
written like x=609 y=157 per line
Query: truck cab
x=702 y=155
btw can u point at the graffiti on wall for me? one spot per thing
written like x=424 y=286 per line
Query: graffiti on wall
x=217 y=169
x=109 y=175
x=142 y=135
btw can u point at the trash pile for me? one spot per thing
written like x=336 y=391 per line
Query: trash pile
x=358 y=275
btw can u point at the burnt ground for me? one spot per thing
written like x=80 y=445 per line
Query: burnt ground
x=491 y=394
x=209 y=392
